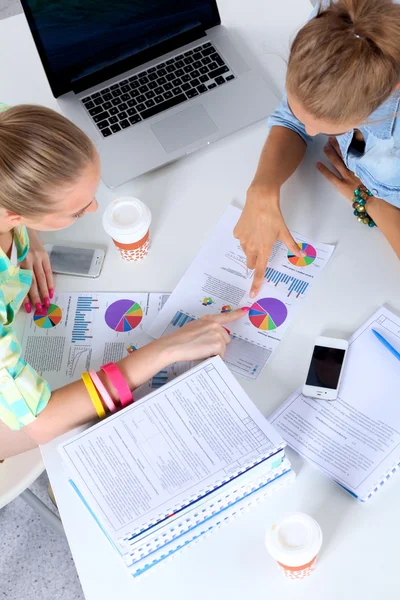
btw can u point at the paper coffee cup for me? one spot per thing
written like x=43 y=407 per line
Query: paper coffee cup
x=294 y=542
x=127 y=220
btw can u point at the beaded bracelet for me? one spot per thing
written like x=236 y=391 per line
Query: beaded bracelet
x=361 y=195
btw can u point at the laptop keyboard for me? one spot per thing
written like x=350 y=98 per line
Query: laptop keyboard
x=157 y=89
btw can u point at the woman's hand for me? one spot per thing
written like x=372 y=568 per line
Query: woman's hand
x=202 y=338
x=258 y=228
x=42 y=288
x=346 y=182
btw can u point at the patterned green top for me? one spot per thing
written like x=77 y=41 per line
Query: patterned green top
x=23 y=393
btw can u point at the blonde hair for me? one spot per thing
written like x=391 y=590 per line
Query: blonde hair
x=345 y=62
x=40 y=151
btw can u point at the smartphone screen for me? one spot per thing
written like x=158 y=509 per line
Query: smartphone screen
x=325 y=367
x=65 y=259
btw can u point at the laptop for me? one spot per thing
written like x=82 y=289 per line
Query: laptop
x=148 y=80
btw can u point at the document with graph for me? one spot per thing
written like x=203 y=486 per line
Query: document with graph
x=84 y=331
x=218 y=280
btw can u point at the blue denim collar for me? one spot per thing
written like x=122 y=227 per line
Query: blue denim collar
x=380 y=123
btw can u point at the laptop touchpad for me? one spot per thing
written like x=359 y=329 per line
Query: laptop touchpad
x=184 y=128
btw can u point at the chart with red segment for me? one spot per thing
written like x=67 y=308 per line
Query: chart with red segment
x=123 y=315
x=268 y=314
x=310 y=254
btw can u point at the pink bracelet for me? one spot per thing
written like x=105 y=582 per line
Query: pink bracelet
x=118 y=381
x=105 y=396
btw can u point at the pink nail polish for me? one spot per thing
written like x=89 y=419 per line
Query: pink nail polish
x=28 y=307
x=245 y=308
x=39 y=308
x=47 y=302
x=51 y=293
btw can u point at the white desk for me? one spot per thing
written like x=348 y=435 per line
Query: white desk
x=359 y=558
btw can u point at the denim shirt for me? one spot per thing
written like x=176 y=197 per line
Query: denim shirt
x=379 y=166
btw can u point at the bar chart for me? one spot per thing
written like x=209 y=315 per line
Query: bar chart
x=293 y=284
x=83 y=321
x=181 y=319
x=159 y=379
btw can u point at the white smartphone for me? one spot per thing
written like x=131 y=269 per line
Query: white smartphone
x=71 y=260
x=326 y=368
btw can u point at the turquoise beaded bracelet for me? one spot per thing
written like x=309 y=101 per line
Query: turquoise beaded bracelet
x=361 y=195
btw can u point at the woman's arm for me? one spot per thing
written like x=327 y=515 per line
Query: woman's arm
x=261 y=222
x=385 y=215
x=70 y=406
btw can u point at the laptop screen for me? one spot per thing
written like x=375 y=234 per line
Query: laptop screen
x=77 y=38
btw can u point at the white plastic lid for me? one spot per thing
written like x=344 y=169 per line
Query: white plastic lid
x=294 y=540
x=127 y=220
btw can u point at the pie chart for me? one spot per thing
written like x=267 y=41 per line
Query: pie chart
x=303 y=261
x=267 y=314
x=123 y=315
x=51 y=318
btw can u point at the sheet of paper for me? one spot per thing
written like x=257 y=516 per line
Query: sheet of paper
x=356 y=438
x=218 y=281
x=173 y=446
x=85 y=331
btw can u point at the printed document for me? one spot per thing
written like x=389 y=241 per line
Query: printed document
x=169 y=449
x=218 y=280
x=82 y=331
x=356 y=438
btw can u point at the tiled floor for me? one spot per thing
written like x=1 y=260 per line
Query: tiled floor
x=8 y=8
x=35 y=562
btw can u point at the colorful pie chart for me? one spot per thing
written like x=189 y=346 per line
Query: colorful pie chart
x=49 y=318
x=303 y=261
x=123 y=315
x=267 y=314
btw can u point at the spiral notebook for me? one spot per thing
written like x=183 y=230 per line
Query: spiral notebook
x=154 y=474
x=355 y=439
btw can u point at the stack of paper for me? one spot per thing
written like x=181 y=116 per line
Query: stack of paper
x=175 y=465
x=355 y=439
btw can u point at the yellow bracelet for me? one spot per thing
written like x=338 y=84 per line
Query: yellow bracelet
x=94 y=396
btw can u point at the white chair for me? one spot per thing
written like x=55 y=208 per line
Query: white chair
x=16 y=475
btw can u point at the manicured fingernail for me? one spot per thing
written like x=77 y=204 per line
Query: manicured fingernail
x=28 y=307
x=51 y=293
x=252 y=295
x=47 y=302
x=39 y=308
x=319 y=165
x=227 y=330
x=245 y=308
x=302 y=253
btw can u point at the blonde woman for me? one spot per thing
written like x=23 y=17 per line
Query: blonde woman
x=49 y=174
x=343 y=80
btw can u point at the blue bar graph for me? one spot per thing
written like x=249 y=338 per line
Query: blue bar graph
x=180 y=319
x=294 y=285
x=160 y=379
x=83 y=320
